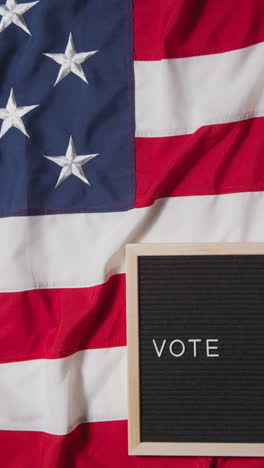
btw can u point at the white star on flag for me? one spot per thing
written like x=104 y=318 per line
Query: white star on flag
x=71 y=163
x=12 y=12
x=71 y=61
x=11 y=116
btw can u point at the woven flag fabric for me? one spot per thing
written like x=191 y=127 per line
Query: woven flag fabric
x=120 y=121
x=70 y=76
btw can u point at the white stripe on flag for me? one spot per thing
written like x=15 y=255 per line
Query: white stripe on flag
x=177 y=96
x=82 y=250
x=55 y=396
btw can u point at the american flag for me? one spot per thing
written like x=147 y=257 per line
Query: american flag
x=121 y=121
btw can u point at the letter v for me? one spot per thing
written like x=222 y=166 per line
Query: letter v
x=159 y=351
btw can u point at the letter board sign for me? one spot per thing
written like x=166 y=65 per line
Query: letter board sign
x=195 y=333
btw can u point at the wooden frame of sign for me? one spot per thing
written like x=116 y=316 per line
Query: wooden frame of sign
x=135 y=445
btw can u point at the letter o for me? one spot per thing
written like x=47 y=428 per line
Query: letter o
x=182 y=345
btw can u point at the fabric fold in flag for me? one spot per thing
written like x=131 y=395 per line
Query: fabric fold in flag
x=55 y=396
x=215 y=159
x=121 y=121
x=170 y=29
x=55 y=323
x=94 y=257
x=177 y=96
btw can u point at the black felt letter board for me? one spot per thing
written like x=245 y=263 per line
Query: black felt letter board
x=215 y=398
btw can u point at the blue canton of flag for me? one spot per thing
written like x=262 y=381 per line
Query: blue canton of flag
x=66 y=107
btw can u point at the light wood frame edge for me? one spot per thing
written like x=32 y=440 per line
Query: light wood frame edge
x=135 y=446
x=200 y=449
x=132 y=348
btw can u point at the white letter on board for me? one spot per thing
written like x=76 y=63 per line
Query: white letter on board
x=159 y=351
x=182 y=345
x=208 y=348
x=194 y=341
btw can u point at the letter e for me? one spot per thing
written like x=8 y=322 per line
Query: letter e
x=208 y=347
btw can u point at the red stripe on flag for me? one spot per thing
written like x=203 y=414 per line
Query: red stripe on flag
x=54 y=323
x=96 y=445
x=216 y=159
x=170 y=29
